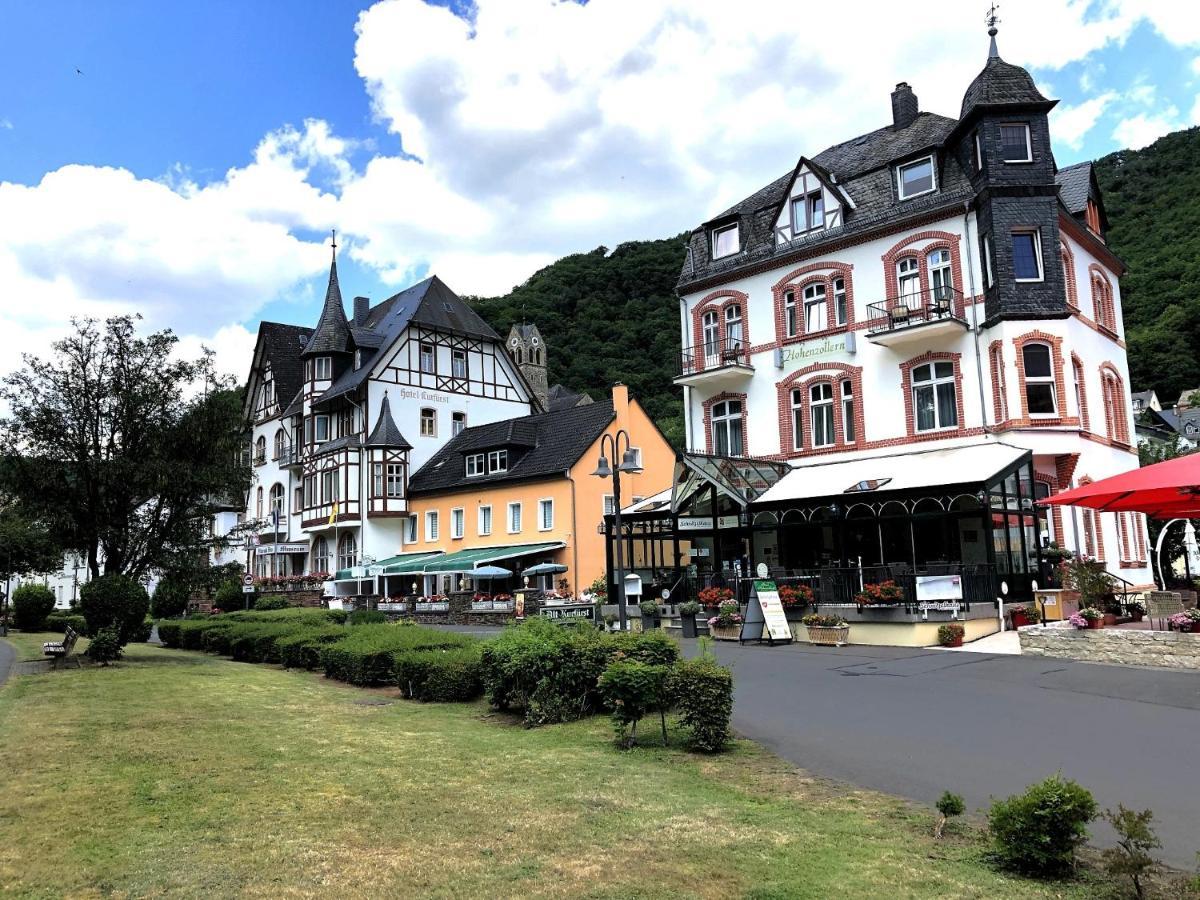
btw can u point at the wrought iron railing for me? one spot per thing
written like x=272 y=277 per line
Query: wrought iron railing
x=289 y=456
x=714 y=355
x=916 y=308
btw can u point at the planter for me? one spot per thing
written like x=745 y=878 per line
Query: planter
x=1110 y=619
x=828 y=636
x=649 y=622
x=1095 y=624
x=725 y=632
x=1020 y=619
x=688 y=623
x=502 y=605
x=955 y=642
x=482 y=605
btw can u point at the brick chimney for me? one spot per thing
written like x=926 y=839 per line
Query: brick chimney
x=904 y=106
x=362 y=306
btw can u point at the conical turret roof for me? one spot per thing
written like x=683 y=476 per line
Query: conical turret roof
x=1001 y=84
x=385 y=433
x=332 y=334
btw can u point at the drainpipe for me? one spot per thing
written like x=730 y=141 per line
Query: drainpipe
x=975 y=314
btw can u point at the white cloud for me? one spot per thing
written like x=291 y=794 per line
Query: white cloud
x=6 y=124
x=1143 y=129
x=1070 y=124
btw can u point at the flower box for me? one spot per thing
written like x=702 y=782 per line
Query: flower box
x=725 y=632
x=481 y=605
x=828 y=635
x=502 y=605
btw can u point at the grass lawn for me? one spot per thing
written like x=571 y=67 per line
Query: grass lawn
x=181 y=774
x=29 y=644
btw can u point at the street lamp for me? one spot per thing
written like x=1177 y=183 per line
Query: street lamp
x=631 y=466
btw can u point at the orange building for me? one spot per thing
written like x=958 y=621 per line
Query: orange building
x=521 y=492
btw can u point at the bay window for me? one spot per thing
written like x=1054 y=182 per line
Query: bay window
x=323 y=368
x=1027 y=255
x=1014 y=143
x=395 y=480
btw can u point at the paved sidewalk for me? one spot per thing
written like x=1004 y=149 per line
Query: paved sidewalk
x=1005 y=643
x=8 y=655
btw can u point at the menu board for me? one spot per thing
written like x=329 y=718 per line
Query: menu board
x=765 y=619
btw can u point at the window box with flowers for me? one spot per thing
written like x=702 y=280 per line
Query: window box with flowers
x=502 y=602
x=885 y=593
x=715 y=597
x=436 y=603
x=393 y=605
x=726 y=625
x=794 y=597
x=825 y=630
x=481 y=602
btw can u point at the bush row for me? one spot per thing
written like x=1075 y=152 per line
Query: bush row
x=59 y=622
x=447 y=675
x=366 y=654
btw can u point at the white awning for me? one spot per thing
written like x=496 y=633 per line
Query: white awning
x=971 y=464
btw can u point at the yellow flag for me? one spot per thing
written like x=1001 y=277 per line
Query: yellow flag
x=333 y=515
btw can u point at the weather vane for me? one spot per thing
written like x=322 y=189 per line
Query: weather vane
x=334 y=238
x=992 y=18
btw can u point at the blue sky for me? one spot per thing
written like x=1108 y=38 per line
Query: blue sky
x=192 y=172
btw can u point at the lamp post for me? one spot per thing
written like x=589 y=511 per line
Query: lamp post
x=630 y=465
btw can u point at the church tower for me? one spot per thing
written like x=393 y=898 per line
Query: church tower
x=528 y=351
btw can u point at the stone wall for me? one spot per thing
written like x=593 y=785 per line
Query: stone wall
x=1169 y=649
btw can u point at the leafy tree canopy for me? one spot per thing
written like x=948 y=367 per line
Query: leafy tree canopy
x=123 y=446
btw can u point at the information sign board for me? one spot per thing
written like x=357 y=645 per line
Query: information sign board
x=765 y=619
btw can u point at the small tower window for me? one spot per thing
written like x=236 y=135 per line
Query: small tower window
x=1014 y=143
x=324 y=368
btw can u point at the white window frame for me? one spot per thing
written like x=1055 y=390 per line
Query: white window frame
x=323 y=368
x=431 y=526
x=476 y=465
x=1036 y=234
x=803 y=218
x=458 y=523
x=791 y=313
x=456 y=356
x=320 y=435
x=725 y=421
x=320 y=555
x=544 y=505
x=497 y=461
x=393 y=476
x=797 y=406
x=608 y=505
x=410 y=529
x=849 y=429
x=989 y=278
x=978 y=152
x=841 y=302
x=714 y=240
x=484 y=527
x=1028 y=140
x=818 y=298
x=377 y=479
x=735 y=327
x=823 y=406
x=458 y=423
x=432 y=420
x=1040 y=379
x=900 y=169
x=515 y=520
x=932 y=383
x=423 y=346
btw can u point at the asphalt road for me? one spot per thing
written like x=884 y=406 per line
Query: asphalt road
x=917 y=722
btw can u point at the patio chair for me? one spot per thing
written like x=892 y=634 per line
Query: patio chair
x=899 y=314
x=1161 y=605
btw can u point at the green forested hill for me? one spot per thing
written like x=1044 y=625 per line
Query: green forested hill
x=1152 y=198
x=607 y=317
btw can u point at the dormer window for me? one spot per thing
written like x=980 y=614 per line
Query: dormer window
x=323 y=367
x=725 y=241
x=1014 y=143
x=475 y=465
x=808 y=212
x=915 y=178
x=497 y=461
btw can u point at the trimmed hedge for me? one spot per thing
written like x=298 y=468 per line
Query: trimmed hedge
x=264 y=604
x=301 y=649
x=440 y=676
x=366 y=617
x=1038 y=832
x=365 y=656
x=702 y=691
x=59 y=622
x=114 y=601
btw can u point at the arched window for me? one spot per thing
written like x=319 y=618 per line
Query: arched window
x=1041 y=399
x=320 y=555
x=277 y=500
x=258 y=507
x=347 y=550
x=797 y=419
x=1080 y=392
x=791 y=322
x=908 y=280
x=816 y=309
x=280 y=442
x=1068 y=267
x=848 y=411
x=733 y=326
x=941 y=282
x=728 y=439
x=1103 y=305
x=839 y=301
x=821 y=414
x=935 y=398
x=1115 y=407
x=260 y=450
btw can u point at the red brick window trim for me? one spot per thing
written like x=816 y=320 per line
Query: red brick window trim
x=719 y=302
x=910 y=412
x=709 y=436
x=788 y=296
x=1093 y=531
x=999 y=385
x=1068 y=264
x=921 y=246
x=796 y=409
x=1080 y=386
x=1115 y=404
x=1103 y=306
x=1057 y=379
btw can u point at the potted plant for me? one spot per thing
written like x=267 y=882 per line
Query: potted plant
x=1091 y=580
x=687 y=617
x=726 y=625
x=1136 y=610
x=1023 y=615
x=795 y=596
x=885 y=593
x=649 y=614
x=827 y=631
x=714 y=597
x=951 y=634
x=1092 y=616
x=1187 y=621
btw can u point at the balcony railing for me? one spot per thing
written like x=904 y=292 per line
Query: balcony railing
x=941 y=304
x=289 y=456
x=713 y=355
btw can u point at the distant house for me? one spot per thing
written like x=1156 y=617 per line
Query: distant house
x=1185 y=399
x=1143 y=400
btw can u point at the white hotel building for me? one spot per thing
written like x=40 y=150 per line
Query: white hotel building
x=936 y=285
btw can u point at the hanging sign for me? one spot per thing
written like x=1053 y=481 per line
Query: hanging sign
x=705 y=523
x=765 y=619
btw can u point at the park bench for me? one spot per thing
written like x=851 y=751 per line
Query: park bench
x=1162 y=605
x=60 y=650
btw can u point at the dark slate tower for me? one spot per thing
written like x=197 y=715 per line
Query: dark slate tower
x=1002 y=141
x=332 y=335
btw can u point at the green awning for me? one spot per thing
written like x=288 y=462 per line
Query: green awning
x=393 y=565
x=466 y=560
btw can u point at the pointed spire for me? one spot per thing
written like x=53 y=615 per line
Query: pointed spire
x=332 y=334
x=992 y=19
x=385 y=433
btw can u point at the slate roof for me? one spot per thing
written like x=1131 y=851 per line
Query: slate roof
x=861 y=168
x=385 y=433
x=560 y=398
x=559 y=441
x=333 y=331
x=1074 y=184
x=282 y=345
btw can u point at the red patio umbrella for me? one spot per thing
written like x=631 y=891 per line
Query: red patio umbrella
x=1164 y=490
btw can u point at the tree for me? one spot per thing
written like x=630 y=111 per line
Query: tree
x=123 y=446
x=1135 y=840
x=26 y=547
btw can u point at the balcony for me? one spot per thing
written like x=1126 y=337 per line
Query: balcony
x=288 y=457
x=716 y=364
x=915 y=317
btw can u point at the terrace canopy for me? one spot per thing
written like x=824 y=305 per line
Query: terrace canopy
x=1165 y=490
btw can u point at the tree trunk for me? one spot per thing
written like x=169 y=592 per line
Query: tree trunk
x=937 y=829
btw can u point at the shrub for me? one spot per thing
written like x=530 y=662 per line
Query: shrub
x=949 y=634
x=365 y=654
x=114 y=601
x=269 y=603
x=366 y=617
x=633 y=689
x=168 y=633
x=1135 y=840
x=229 y=597
x=440 y=676
x=689 y=608
x=302 y=648
x=1037 y=832
x=170 y=598
x=702 y=691
x=141 y=633
x=31 y=604
x=649 y=609
x=651 y=647
x=948 y=805
x=60 y=621
x=105 y=646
